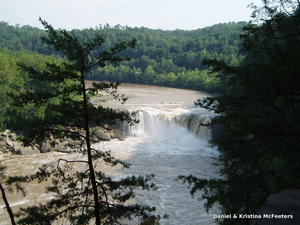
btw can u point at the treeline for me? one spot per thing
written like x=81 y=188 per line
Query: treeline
x=191 y=79
x=13 y=78
x=171 y=58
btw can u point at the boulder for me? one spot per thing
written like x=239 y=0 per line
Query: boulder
x=114 y=134
x=63 y=144
x=21 y=150
x=94 y=139
x=13 y=137
x=286 y=203
x=2 y=144
x=10 y=143
x=74 y=143
x=5 y=133
x=102 y=135
x=45 y=147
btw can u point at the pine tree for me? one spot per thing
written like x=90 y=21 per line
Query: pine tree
x=55 y=102
x=259 y=143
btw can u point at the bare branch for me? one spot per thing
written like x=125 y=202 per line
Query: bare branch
x=72 y=208
x=104 y=192
x=72 y=161
x=64 y=131
x=87 y=195
x=284 y=8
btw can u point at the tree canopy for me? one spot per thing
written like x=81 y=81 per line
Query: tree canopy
x=259 y=115
x=170 y=58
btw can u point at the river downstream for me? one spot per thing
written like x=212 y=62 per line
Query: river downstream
x=168 y=141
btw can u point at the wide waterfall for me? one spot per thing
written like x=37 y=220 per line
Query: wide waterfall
x=157 y=122
x=171 y=139
x=169 y=142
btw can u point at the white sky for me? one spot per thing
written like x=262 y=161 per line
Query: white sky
x=163 y=14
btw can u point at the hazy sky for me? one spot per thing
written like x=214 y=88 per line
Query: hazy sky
x=164 y=14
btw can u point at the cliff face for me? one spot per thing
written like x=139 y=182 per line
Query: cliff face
x=282 y=208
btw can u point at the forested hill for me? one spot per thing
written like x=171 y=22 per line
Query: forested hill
x=171 y=58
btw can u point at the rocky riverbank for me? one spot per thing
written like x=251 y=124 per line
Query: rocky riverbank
x=9 y=143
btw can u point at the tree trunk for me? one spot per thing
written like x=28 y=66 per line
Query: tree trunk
x=88 y=145
x=10 y=213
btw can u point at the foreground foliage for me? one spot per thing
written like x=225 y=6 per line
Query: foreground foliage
x=54 y=101
x=259 y=115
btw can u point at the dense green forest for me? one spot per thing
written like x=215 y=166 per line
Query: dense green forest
x=13 y=79
x=170 y=58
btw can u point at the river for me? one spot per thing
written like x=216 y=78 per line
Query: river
x=168 y=141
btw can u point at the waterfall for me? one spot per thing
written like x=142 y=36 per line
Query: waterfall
x=168 y=142
x=159 y=122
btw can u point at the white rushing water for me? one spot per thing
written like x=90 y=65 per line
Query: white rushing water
x=167 y=143
x=171 y=139
x=161 y=122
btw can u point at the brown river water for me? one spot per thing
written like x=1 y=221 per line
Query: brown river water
x=168 y=141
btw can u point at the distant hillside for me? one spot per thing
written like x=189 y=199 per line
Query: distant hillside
x=171 y=58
